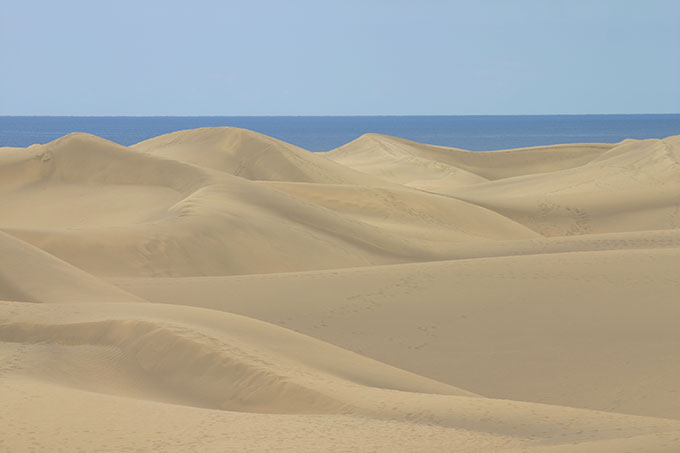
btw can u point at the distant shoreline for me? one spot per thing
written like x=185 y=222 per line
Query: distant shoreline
x=318 y=134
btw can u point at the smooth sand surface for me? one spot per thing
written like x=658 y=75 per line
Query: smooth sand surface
x=220 y=290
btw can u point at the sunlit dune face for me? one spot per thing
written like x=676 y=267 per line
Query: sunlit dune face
x=89 y=205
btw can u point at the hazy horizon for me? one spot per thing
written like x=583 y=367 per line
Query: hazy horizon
x=340 y=116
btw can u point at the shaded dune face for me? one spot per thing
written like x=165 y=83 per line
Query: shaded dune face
x=197 y=358
x=31 y=275
x=217 y=289
x=181 y=369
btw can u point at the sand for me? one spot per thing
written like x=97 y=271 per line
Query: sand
x=220 y=290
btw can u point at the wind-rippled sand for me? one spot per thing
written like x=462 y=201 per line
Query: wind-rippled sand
x=219 y=290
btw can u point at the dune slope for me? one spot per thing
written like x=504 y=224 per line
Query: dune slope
x=200 y=359
x=580 y=329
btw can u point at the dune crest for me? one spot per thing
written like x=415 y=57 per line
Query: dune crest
x=382 y=154
x=250 y=155
x=217 y=289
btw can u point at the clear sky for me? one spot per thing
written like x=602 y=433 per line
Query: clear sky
x=295 y=57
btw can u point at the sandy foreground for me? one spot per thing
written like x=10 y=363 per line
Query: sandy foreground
x=219 y=290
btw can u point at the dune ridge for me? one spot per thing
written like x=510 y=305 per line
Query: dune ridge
x=32 y=275
x=217 y=289
x=250 y=155
x=373 y=153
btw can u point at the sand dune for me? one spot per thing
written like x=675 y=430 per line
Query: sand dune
x=217 y=290
x=151 y=216
x=555 y=191
x=250 y=155
x=399 y=159
x=576 y=329
x=202 y=359
x=634 y=186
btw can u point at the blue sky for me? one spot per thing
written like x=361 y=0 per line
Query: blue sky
x=339 y=58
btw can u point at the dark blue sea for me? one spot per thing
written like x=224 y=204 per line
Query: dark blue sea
x=322 y=133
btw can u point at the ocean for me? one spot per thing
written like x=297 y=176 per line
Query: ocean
x=322 y=133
